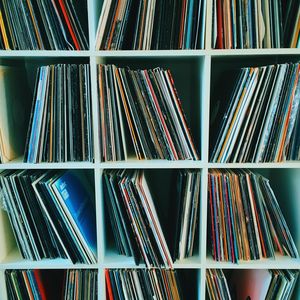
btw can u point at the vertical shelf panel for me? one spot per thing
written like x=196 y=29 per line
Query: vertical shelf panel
x=205 y=107
x=100 y=216
x=95 y=7
x=95 y=108
x=3 y=291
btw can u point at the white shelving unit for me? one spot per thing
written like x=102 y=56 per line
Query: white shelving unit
x=192 y=70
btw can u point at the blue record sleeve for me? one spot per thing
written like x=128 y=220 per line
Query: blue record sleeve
x=78 y=197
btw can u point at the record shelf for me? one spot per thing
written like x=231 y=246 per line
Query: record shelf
x=194 y=76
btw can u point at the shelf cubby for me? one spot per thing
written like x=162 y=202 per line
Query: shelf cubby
x=238 y=282
x=164 y=201
x=187 y=72
x=284 y=183
x=22 y=107
x=53 y=281
x=11 y=257
x=229 y=67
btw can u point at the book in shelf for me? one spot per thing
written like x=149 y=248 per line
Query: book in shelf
x=245 y=219
x=43 y=25
x=150 y=283
x=140 y=222
x=250 y=284
x=51 y=213
x=52 y=284
x=155 y=24
x=144 y=283
x=255 y=24
x=145 y=105
x=261 y=121
x=60 y=126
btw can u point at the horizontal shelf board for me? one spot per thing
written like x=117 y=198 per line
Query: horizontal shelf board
x=193 y=262
x=114 y=260
x=237 y=52
x=142 y=266
x=120 y=265
x=19 y=164
x=199 y=52
x=46 y=264
x=280 y=262
x=148 y=164
x=15 y=261
x=46 y=53
x=147 y=53
x=290 y=164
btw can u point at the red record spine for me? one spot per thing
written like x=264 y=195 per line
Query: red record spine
x=108 y=285
x=40 y=285
x=66 y=17
x=220 y=44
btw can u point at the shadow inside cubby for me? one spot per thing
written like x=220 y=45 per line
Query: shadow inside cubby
x=249 y=284
x=19 y=90
x=49 y=283
x=224 y=74
x=164 y=189
x=61 y=223
x=189 y=76
x=285 y=185
x=97 y=6
x=189 y=283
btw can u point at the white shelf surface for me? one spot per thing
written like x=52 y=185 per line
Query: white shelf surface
x=44 y=53
x=149 y=53
x=14 y=260
x=283 y=165
x=193 y=262
x=114 y=260
x=263 y=51
x=151 y=164
x=279 y=262
x=19 y=164
x=147 y=164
